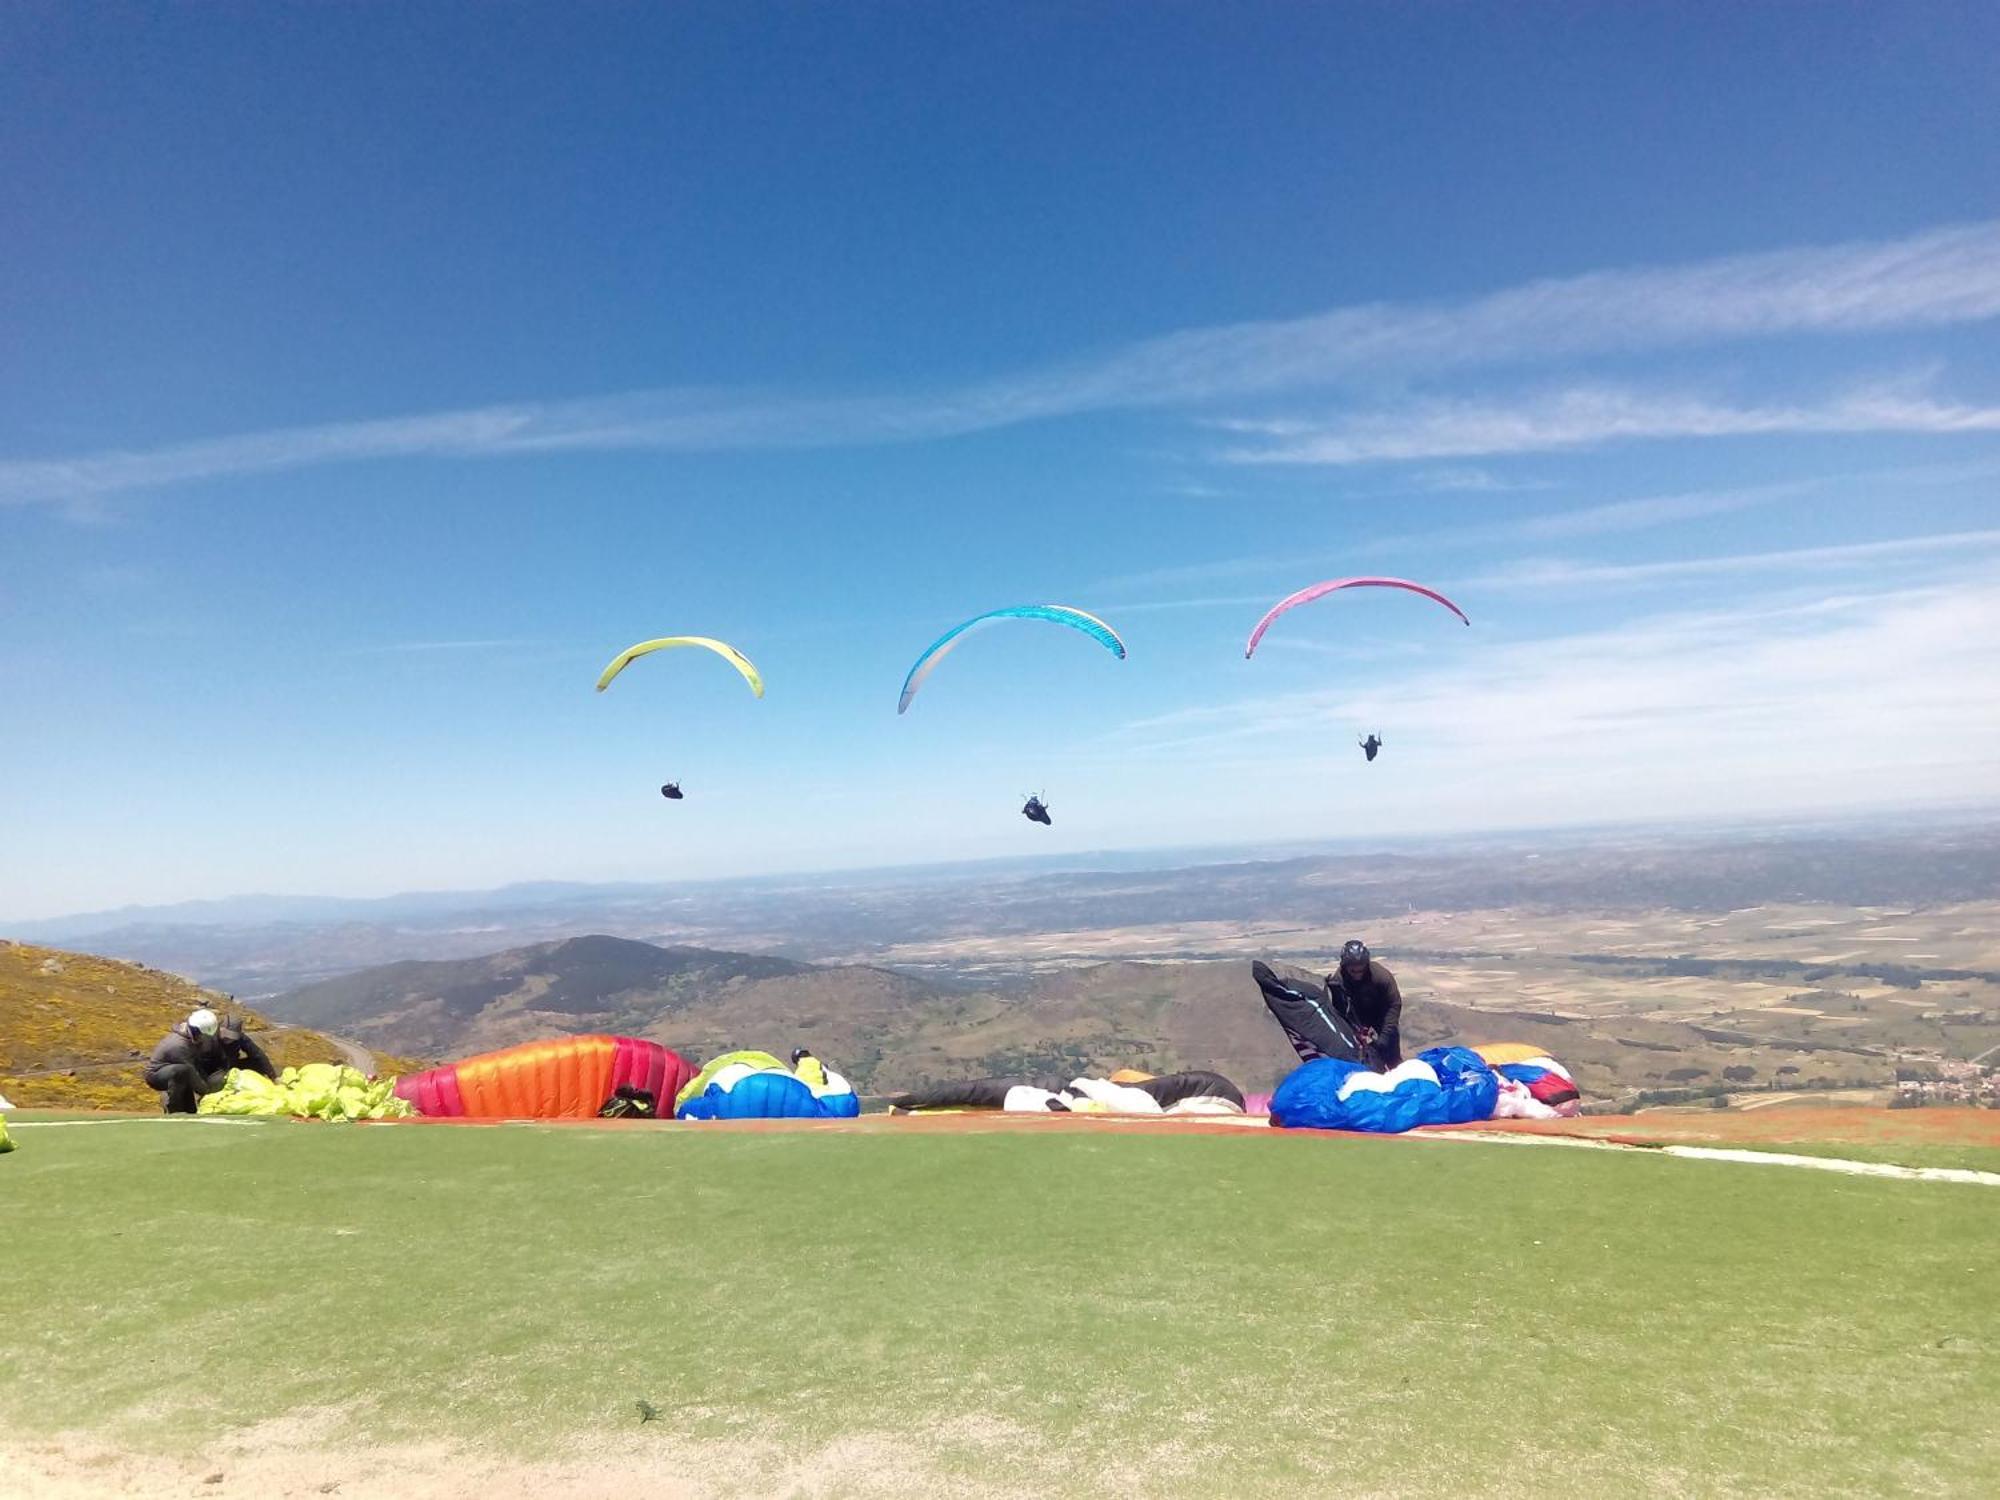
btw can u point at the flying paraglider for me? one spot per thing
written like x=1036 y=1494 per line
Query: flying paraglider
x=1371 y=745
x=1320 y=590
x=722 y=649
x=1057 y=614
x=1037 y=811
x=672 y=790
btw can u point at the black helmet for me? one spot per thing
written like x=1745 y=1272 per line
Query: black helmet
x=1354 y=955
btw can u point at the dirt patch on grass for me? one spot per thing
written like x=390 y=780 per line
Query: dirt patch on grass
x=297 y=1459
x=1826 y=1127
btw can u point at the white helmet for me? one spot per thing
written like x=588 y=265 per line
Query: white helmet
x=203 y=1021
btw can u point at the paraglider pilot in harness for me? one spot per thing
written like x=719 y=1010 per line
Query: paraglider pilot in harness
x=1365 y=993
x=1371 y=746
x=1037 y=811
x=195 y=1057
x=1357 y=1018
x=671 y=791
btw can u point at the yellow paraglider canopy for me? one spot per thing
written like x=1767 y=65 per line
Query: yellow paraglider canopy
x=722 y=649
x=1496 y=1053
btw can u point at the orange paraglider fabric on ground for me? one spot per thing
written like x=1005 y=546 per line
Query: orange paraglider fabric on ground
x=1497 y=1053
x=565 y=1078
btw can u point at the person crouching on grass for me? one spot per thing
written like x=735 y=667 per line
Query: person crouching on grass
x=195 y=1057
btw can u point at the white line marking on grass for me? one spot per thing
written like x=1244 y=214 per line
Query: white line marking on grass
x=1836 y=1164
x=1724 y=1153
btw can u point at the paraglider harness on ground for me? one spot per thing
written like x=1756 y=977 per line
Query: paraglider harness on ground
x=630 y=1103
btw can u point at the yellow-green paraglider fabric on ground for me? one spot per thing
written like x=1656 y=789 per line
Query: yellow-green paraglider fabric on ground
x=699 y=1083
x=317 y=1091
x=6 y=1141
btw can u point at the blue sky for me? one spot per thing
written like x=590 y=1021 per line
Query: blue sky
x=370 y=376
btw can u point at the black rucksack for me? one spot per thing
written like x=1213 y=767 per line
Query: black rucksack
x=630 y=1103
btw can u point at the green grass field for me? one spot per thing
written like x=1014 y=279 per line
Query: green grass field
x=1053 y=1312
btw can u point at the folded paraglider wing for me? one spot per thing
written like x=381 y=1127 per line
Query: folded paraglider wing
x=565 y=1078
x=1547 y=1081
x=1128 y=1091
x=1057 y=614
x=756 y=1086
x=1012 y=1095
x=1441 y=1086
x=1174 y=1088
x=698 y=1084
x=1497 y=1053
x=1321 y=590
x=768 y=1096
x=316 y=1091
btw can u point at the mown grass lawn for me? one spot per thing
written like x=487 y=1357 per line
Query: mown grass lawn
x=1216 y=1314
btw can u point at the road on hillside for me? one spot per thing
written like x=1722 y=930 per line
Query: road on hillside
x=353 y=1054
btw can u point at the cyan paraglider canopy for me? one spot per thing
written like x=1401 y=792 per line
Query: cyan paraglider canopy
x=1055 y=614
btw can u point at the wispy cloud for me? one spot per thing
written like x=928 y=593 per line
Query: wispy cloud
x=1611 y=517
x=1943 y=276
x=1188 y=574
x=1648 y=511
x=1875 y=695
x=1471 y=481
x=1547 y=573
x=1579 y=418
x=1206 y=601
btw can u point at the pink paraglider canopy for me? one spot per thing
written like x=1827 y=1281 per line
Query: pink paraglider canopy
x=1318 y=590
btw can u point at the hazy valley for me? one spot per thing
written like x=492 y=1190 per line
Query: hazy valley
x=1769 y=967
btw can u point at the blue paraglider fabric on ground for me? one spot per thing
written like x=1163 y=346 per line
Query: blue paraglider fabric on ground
x=1440 y=1086
x=768 y=1096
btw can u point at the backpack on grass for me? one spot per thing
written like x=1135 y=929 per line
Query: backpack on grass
x=630 y=1103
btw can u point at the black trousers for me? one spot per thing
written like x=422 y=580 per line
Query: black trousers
x=182 y=1084
x=1311 y=1024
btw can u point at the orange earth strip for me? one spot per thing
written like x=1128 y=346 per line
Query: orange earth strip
x=1830 y=1125
x=1826 y=1126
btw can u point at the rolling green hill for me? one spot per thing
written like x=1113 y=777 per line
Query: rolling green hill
x=76 y=1030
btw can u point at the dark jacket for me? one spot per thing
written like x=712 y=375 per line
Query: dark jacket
x=1373 y=1002
x=208 y=1055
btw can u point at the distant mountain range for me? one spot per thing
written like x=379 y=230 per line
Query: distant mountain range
x=593 y=983
x=885 y=1030
x=269 y=945
x=889 y=1031
x=261 y=946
